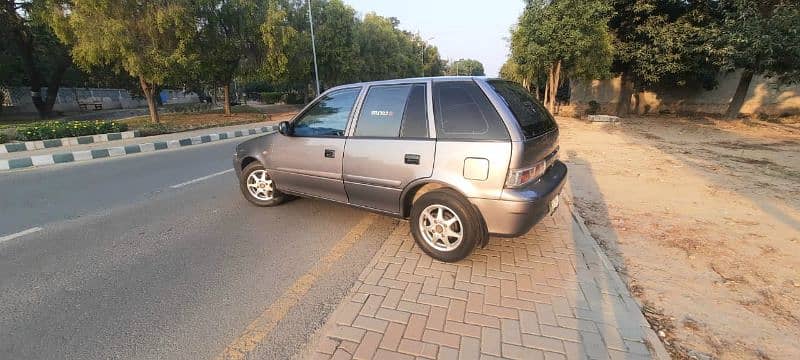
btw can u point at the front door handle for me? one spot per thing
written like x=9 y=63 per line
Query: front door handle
x=330 y=153
x=412 y=159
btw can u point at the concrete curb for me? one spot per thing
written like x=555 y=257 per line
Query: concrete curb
x=657 y=348
x=70 y=141
x=83 y=155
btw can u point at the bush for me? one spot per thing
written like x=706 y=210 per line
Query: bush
x=294 y=98
x=271 y=97
x=3 y=138
x=59 y=129
x=594 y=108
x=154 y=129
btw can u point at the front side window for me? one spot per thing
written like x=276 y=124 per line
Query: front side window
x=464 y=112
x=393 y=111
x=328 y=117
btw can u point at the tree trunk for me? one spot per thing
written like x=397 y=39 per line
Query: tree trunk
x=226 y=92
x=739 y=96
x=554 y=79
x=149 y=91
x=546 y=94
x=625 y=93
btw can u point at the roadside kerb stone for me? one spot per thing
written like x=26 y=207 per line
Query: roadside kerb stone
x=551 y=293
x=69 y=141
x=83 y=155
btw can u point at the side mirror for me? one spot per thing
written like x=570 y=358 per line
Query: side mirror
x=284 y=128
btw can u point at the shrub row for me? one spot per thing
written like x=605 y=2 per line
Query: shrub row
x=60 y=129
x=276 y=97
x=272 y=97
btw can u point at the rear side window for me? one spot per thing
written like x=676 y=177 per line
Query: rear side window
x=532 y=117
x=393 y=111
x=463 y=112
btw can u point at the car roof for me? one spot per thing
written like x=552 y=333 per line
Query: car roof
x=407 y=80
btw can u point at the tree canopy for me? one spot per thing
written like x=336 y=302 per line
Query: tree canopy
x=759 y=37
x=30 y=53
x=465 y=67
x=569 y=36
x=147 y=40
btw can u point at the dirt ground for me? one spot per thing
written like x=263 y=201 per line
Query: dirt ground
x=703 y=218
x=175 y=122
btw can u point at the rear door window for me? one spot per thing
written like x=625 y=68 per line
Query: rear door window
x=532 y=117
x=393 y=111
x=464 y=112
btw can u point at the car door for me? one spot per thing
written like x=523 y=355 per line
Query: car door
x=389 y=146
x=309 y=161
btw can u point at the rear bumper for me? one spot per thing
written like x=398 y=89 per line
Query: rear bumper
x=518 y=210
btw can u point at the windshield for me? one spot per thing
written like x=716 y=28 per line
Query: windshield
x=532 y=117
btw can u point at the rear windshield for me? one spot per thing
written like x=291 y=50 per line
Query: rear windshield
x=532 y=117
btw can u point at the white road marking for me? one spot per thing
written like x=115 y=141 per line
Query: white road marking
x=200 y=179
x=21 y=233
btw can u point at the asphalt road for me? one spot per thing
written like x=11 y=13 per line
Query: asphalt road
x=127 y=266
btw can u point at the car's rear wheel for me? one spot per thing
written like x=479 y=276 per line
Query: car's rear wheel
x=445 y=225
x=258 y=188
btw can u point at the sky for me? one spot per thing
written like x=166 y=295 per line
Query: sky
x=461 y=29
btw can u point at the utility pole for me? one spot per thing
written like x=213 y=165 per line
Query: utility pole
x=313 y=46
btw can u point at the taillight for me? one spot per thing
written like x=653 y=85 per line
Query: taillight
x=521 y=177
x=524 y=176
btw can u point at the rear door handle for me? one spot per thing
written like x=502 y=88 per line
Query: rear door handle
x=412 y=159
x=330 y=153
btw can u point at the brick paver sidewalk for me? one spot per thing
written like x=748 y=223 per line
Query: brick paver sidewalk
x=549 y=294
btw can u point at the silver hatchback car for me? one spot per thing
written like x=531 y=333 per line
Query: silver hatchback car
x=459 y=157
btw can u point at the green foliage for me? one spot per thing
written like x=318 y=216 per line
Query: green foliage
x=294 y=98
x=226 y=30
x=60 y=129
x=348 y=49
x=664 y=42
x=3 y=138
x=573 y=32
x=146 y=39
x=465 y=67
x=149 y=40
x=271 y=97
x=762 y=37
x=154 y=129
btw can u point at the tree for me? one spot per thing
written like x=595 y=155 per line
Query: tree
x=432 y=61
x=148 y=40
x=30 y=45
x=562 y=37
x=662 y=43
x=466 y=67
x=227 y=30
x=287 y=50
x=348 y=48
x=760 y=38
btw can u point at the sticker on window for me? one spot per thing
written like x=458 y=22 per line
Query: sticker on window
x=381 y=113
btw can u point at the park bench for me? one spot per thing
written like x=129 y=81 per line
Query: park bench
x=95 y=105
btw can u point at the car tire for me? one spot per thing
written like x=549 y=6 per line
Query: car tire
x=446 y=226
x=258 y=188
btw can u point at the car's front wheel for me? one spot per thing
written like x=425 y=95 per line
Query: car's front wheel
x=445 y=225
x=258 y=187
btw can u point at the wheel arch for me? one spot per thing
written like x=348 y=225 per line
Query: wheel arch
x=247 y=161
x=417 y=188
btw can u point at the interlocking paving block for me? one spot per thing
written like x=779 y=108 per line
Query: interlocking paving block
x=532 y=297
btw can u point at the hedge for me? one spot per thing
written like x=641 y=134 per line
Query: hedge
x=60 y=129
x=271 y=97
